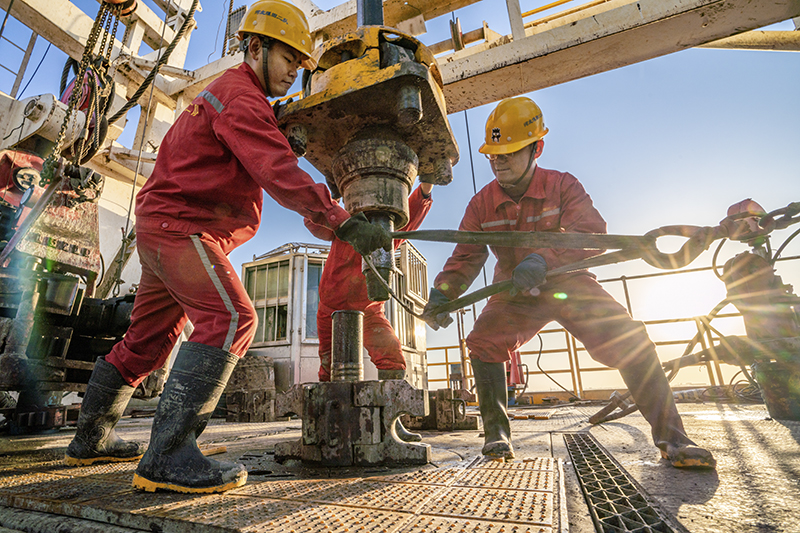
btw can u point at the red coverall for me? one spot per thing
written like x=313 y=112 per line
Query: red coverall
x=555 y=201
x=344 y=287
x=203 y=200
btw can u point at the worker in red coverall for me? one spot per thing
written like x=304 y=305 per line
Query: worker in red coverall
x=526 y=197
x=202 y=200
x=344 y=287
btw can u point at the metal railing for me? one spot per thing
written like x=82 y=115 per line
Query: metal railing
x=440 y=358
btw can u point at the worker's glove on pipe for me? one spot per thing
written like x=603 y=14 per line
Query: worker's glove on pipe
x=528 y=275
x=364 y=237
x=436 y=320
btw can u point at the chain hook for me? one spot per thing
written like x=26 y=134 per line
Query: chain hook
x=788 y=215
x=700 y=238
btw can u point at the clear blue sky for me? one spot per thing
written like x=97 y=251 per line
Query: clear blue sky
x=673 y=140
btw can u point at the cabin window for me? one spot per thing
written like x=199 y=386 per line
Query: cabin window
x=268 y=287
x=312 y=298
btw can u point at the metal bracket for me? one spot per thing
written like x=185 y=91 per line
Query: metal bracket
x=349 y=423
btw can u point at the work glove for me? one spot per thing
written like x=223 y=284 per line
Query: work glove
x=436 y=320
x=364 y=237
x=529 y=274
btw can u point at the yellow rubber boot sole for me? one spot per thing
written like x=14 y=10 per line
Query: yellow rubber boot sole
x=689 y=457
x=151 y=486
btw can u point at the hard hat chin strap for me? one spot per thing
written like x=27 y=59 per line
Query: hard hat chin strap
x=265 y=43
x=524 y=172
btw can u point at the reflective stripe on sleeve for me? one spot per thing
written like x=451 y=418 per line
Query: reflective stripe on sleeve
x=211 y=99
x=496 y=223
x=550 y=213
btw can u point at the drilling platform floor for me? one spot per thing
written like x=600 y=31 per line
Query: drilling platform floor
x=568 y=476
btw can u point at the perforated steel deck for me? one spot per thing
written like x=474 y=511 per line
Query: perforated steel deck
x=476 y=496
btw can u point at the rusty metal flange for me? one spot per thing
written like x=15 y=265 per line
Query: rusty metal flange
x=352 y=423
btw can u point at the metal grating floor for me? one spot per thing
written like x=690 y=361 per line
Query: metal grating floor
x=755 y=488
x=475 y=496
x=616 y=502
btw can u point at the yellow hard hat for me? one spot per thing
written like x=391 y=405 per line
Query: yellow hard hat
x=514 y=124
x=282 y=21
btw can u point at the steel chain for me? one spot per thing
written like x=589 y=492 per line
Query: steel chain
x=49 y=165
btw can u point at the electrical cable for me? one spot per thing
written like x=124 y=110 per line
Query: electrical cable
x=746 y=374
x=783 y=247
x=19 y=97
x=541 y=345
x=474 y=183
x=714 y=259
x=371 y=265
x=216 y=37
x=693 y=342
x=527 y=377
x=10 y=133
x=746 y=390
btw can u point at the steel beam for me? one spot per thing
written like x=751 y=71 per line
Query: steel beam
x=611 y=35
x=342 y=18
x=605 y=37
x=187 y=90
x=515 y=19
x=24 y=65
x=66 y=26
x=775 y=41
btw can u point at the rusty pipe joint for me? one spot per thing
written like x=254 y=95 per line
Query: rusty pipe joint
x=297 y=135
x=374 y=172
x=409 y=105
x=442 y=173
x=348 y=343
x=382 y=260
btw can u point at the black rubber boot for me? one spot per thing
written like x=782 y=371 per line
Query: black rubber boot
x=402 y=433
x=173 y=461
x=490 y=383
x=651 y=392
x=106 y=397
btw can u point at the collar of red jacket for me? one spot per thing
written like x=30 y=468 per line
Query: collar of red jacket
x=535 y=189
x=251 y=75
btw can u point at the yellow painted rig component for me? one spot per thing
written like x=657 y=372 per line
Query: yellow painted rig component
x=372 y=119
x=374 y=77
